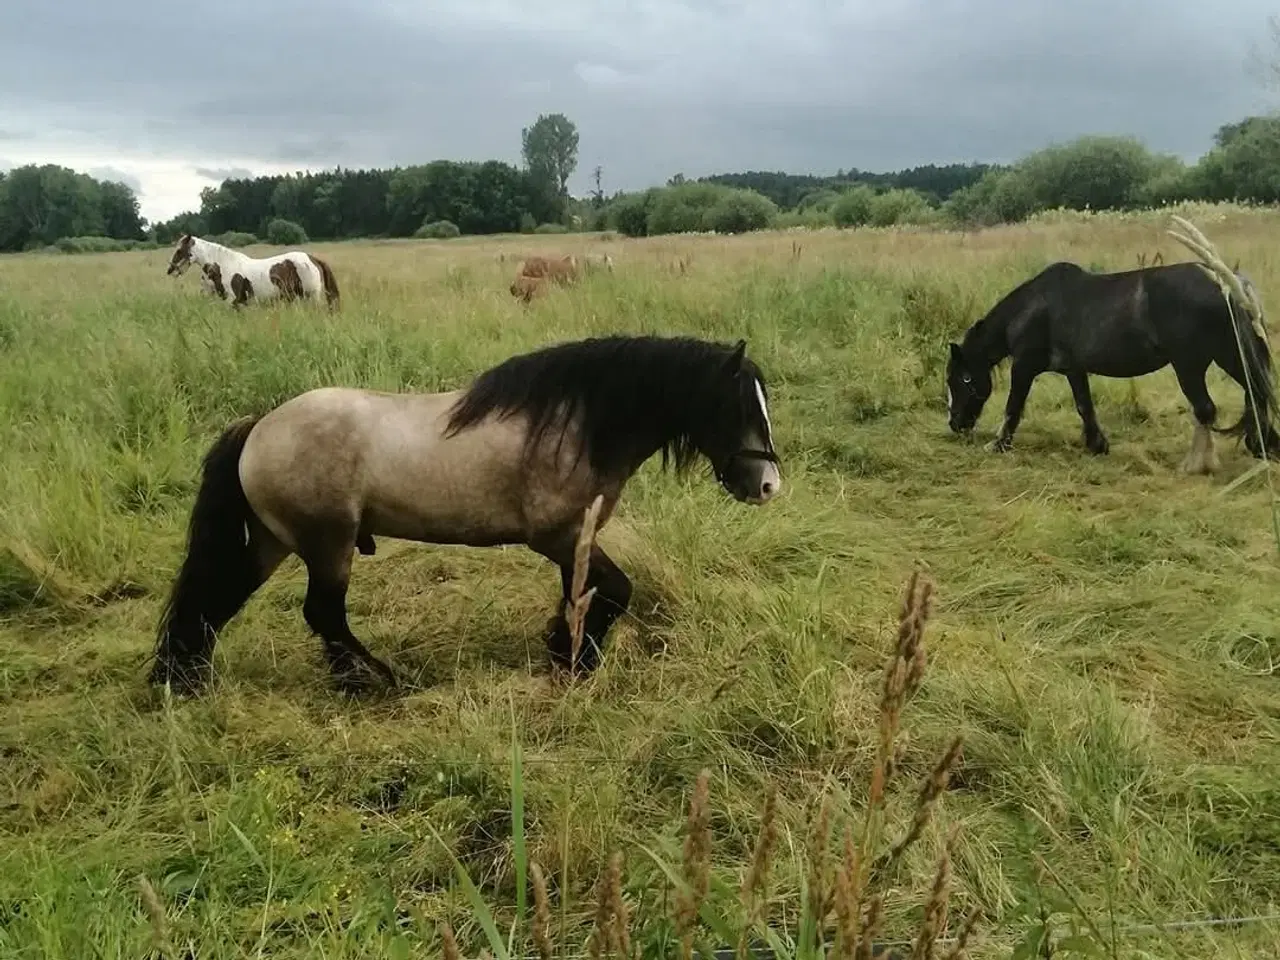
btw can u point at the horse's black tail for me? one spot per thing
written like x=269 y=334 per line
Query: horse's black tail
x=218 y=573
x=1260 y=393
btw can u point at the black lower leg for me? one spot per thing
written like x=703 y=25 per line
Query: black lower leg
x=325 y=610
x=1094 y=439
x=611 y=599
x=200 y=608
x=1019 y=387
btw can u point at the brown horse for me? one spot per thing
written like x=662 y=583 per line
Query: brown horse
x=536 y=272
x=513 y=459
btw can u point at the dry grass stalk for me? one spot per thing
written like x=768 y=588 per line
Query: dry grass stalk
x=156 y=917
x=696 y=862
x=957 y=952
x=820 y=865
x=449 y=943
x=612 y=927
x=1217 y=268
x=931 y=790
x=935 y=909
x=619 y=920
x=902 y=676
x=576 y=608
x=871 y=928
x=541 y=912
x=756 y=880
x=848 y=901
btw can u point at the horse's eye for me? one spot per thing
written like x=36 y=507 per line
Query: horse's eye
x=966 y=378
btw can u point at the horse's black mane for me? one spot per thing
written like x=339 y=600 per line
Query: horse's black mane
x=635 y=395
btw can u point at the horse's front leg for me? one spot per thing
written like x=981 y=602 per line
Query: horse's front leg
x=612 y=598
x=1021 y=378
x=1094 y=439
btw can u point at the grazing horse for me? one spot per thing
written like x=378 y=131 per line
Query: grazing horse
x=1127 y=324
x=292 y=275
x=515 y=458
x=536 y=272
x=525 y=288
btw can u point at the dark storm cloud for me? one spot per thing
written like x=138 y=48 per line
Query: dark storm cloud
x=654 y=87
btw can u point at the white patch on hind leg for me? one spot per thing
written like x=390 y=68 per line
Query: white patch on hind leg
x=1201 y=458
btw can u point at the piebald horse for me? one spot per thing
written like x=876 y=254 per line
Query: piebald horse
x=1069 y=321
x=515 y=458
x=235 y=276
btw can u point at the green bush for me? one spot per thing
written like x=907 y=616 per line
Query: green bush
x=285 y=233
x=740 y=211
x=853 y=207
x=438 y=230
x=629 y=214
x=235 y=238
x=900 y=207
x=551 y=228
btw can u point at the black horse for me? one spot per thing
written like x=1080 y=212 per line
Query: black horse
x=1069 y=321
x=515 y=458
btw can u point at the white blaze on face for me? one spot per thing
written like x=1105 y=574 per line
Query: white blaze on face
x=950 y=402
x=764 y=410
x=771 y=477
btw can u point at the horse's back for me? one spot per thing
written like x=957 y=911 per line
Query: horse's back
x=342 y=458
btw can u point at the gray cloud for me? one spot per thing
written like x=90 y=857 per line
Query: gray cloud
x=696 y=86
x=218 y=174
x=116 y=176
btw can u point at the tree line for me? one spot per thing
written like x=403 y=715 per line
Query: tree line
x=51 y=205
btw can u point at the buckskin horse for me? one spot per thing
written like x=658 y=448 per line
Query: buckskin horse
x=237 y=276
x=515 y=458
x=1128 y=324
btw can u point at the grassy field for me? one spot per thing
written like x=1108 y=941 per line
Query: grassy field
x=1104 y=632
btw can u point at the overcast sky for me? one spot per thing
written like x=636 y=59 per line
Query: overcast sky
x=171 y=97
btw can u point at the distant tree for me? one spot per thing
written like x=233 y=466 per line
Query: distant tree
x=40 y=205
x=597 y=195
x=550 y=150
x=121 y=213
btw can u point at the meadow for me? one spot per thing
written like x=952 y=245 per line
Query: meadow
x=1103 y=636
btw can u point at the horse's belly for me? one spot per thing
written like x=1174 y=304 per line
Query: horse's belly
x=475 y=517
x=1111 y=353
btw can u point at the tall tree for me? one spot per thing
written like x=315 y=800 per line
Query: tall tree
x=550 y=149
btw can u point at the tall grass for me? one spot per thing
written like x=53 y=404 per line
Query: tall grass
x=1102 y=638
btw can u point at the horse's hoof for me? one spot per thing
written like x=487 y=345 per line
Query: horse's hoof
x=1098 y=445
x=183 y=681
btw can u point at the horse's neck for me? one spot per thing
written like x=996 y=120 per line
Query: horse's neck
x=206 y=251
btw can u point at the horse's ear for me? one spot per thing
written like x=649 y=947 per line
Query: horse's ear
x=956 y=355
x=735 y=360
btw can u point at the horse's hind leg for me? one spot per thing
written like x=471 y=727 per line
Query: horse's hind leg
x=328 y=562
x=611 y=600
x=1201 y=458
x=1094 y=439
x=208 y=595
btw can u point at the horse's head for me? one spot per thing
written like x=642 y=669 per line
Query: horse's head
x=181 y=258
x=739 y=443
x=968 y=389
